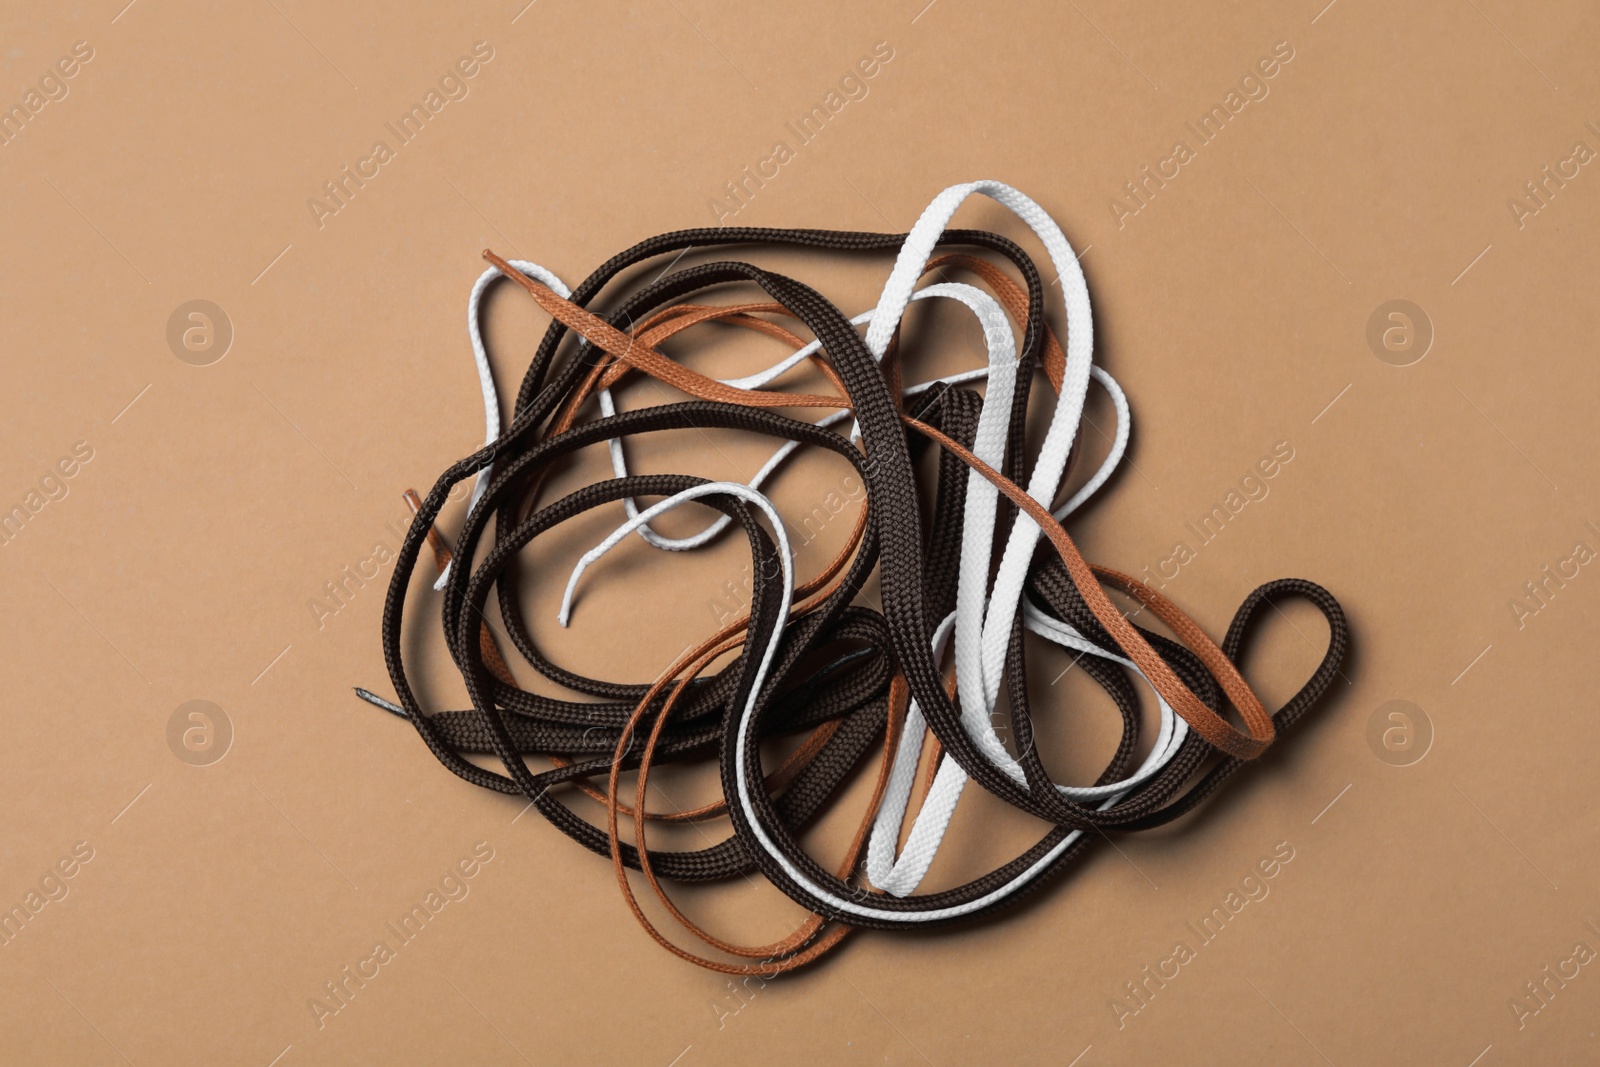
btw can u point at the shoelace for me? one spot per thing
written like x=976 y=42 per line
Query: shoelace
x=927 y=832
x=1001 y=343
x=1214 y=727
x=626 y=349
x=1065 y=601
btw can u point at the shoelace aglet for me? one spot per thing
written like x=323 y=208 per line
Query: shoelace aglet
x=376 y=700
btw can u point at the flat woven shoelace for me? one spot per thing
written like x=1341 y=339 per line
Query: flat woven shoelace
x=704 y=654
x=927 y=834
x=623 y=347
x=807 y=661
x=1213 y=727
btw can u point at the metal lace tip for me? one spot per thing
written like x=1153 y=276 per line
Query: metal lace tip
x=373 y=698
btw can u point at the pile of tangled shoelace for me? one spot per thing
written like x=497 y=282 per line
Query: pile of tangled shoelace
x=843 y=682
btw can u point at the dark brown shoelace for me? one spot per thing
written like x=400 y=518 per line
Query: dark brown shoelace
x=842 y=670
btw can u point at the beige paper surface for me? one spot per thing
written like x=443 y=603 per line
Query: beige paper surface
x=1376 y=259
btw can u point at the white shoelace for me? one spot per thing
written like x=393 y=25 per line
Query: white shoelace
x=982 y=678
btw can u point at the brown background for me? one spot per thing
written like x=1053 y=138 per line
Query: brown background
x=1234 y=308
